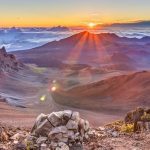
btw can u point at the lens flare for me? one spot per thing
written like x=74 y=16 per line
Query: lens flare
x=43 y=98
x=53 y=89
x=54 y=81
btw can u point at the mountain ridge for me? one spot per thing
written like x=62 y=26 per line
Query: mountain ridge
x=87 y=33
x=89 y=48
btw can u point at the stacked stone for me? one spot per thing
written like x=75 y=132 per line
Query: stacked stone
x=62 y=130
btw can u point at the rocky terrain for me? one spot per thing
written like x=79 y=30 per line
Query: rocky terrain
x=26 y=92
x=105 y=78
x=104 y=81
x=65 y=130
x=8 y=62
x=96 y=72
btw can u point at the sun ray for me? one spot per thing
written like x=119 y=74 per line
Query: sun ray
x=102 y=53
x=76 y=51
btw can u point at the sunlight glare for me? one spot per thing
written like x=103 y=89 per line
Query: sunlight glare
x=43 y=98
x=91 y=25
x=53 y=89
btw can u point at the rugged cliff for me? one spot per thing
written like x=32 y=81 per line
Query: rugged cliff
x=8 y=62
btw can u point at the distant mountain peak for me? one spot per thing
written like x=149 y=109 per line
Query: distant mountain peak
x=132 y=24
x=85 y=32
x=59 y=29
x=89 y=36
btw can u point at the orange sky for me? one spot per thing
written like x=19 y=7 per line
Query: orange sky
x=71 y=12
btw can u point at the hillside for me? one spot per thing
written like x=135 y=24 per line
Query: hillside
x=91 y=49
x=119 y=93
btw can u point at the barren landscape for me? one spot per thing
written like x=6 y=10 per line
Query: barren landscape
x=74 y=75
x=104 y=85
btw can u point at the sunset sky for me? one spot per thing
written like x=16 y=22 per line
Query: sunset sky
x=71 y=12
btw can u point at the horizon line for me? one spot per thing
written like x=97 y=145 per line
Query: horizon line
x=72 y=26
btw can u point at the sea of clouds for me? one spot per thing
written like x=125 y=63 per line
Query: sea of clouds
x=26 y=38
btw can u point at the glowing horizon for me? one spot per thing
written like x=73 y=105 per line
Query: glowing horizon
x=47 y=13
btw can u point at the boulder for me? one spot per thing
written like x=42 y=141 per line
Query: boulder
x=72 y=125
x=59 y=130
x=43 y=146
x=41 y=140
x=62 y=146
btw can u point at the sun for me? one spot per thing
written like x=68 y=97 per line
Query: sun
x=91 y=25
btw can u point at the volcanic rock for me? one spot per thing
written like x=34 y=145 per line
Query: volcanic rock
x=8 y=62
x=59 y=130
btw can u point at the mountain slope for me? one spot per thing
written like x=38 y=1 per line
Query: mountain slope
x=90 y=49
x=118 y=93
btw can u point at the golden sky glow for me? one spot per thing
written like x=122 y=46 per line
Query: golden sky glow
x=71 y=12
x=91 y=25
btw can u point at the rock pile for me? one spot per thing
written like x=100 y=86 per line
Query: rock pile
x=61 y=130
x=65 y=130
x=12 y=138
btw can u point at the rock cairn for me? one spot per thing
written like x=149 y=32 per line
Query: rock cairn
x=63 y=130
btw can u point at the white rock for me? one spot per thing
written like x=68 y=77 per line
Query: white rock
x=60 y=129
x=43 y=146
x=101 y=128
x=30 y=138
x=64 y=139
x=77 y=136
x=3 y=147
x=67 y=114
x=70 y=134
x=75 y=116
x=58 y=148
x=19 y=136
x=16 y=142
x=59 y=134
x=43 y=129
x=56 y=137
x=54 y=144
x=38 y=122
x=65 y=135
x=115 y=134
x=56 y=118
x=62 y=146
x=91 y=132
x=65 y=147
x=72 y=125
x=86 y=136
x=41 y=140
x=40 y=119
